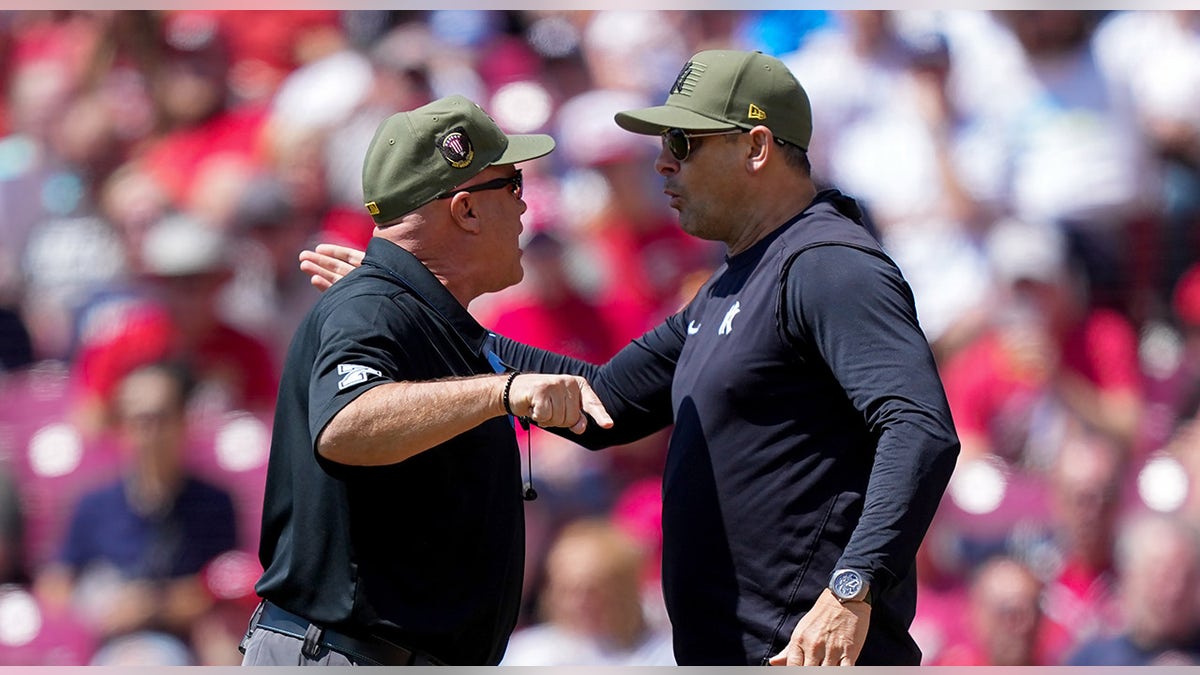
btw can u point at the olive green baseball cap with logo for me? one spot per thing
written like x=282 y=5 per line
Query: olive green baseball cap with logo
x=722 y=88
x=422 y=153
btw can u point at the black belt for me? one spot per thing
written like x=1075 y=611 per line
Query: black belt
x=376 y=650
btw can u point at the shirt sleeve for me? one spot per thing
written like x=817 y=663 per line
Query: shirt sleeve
x=635 y=385
x=366 y=341
x=859 y=313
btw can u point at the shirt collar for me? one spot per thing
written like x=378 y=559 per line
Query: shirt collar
x=403 y=267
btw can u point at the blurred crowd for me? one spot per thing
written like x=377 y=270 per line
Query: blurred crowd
x=1035 y=174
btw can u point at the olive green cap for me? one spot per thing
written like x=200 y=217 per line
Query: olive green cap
x=722 y=88
x=419 y=154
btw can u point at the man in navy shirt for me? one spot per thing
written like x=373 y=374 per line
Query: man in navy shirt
x=137 y=544
x=812 y=441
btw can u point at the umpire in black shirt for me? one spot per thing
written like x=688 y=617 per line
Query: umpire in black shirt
x=393 y=530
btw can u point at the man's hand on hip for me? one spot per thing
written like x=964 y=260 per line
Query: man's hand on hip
x=831 y=634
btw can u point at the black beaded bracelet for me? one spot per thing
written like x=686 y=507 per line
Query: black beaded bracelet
x=508 y=387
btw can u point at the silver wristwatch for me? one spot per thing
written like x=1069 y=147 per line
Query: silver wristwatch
x=850 y=585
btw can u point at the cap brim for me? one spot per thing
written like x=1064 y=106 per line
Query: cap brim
x=524 y=147
x=653 y=121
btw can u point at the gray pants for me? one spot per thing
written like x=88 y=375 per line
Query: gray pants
x=268 y=648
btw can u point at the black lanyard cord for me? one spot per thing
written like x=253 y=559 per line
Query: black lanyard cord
x=528 y=493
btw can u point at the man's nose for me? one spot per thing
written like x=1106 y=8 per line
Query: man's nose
x=666 y=163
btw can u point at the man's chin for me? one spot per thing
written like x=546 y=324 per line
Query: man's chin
x=516 y=278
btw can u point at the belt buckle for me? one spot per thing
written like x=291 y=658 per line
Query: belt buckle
x=311 y=649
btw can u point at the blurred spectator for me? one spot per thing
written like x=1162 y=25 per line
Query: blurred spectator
x=633 y=50
x=1070 y=145
x=852 y=65
x=311 y=103
x=1049 y=360
x=88 y=144
x=48 y=54
x=1158 y=560
x=1086 y=498
x=266 y=45
x=175 y=314
x=269 y=294
x=66 y=261
x=592 y=605
x=198 y=121
x=1073 y=550
x=1004 y=616
x=1154 y=56
x=134 y=548
x=66 y=139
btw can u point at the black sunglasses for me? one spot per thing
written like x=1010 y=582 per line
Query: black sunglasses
x=514 y=182
x=679 y=142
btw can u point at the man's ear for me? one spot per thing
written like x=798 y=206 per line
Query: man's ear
x=761 y=148
x=463 y=212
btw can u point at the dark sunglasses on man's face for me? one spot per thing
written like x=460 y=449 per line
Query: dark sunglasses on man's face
x=513 y=183
x=678 y=142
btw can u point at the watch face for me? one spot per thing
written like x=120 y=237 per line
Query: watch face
x=847 y=584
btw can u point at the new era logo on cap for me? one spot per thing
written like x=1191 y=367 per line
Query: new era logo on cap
x=756 y=113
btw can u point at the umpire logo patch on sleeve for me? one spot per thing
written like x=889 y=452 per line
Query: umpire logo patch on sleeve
x=352 y=375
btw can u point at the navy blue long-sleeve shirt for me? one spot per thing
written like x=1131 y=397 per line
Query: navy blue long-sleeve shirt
x=811 y=433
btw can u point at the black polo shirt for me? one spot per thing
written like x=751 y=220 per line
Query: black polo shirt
x=429 y=552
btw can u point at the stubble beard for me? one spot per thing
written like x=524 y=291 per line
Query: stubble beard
x=698 y=223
